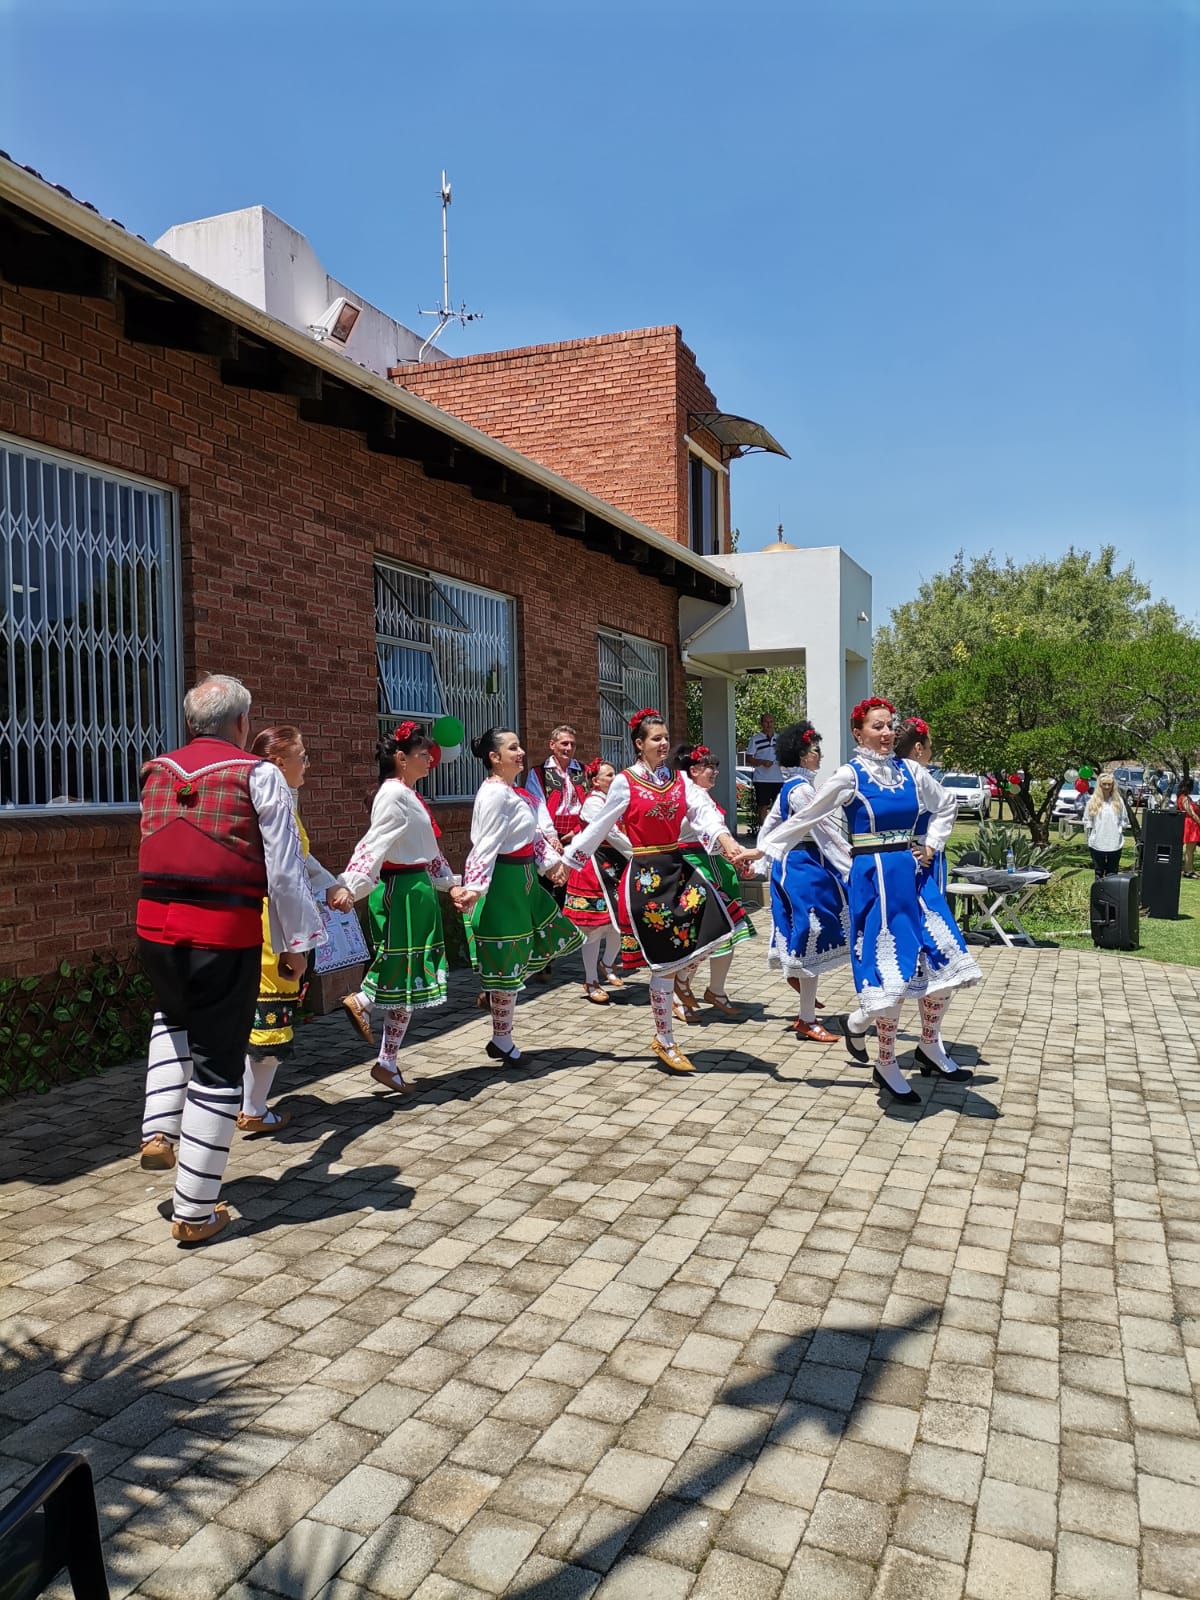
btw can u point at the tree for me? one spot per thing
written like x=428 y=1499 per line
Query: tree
x=1153 y=691
x=976 y=604
x=779 y=691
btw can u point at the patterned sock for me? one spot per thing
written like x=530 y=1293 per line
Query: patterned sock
x=395 y=1026
x=591 y=956
x=808 y=999
x=256 y=1084
x=886 y=1027
x=209 y=1118
x=168 y=1072
x=718 y=973
x=503 y=1007
x=933 y=1009
x=660 y=1003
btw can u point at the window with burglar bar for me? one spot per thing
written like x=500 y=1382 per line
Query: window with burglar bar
x=633 y=674
x=89 y=636
x=444 y=649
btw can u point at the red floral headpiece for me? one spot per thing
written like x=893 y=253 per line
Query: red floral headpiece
x=406 y=731
x=859 y=715
x=700 y=754
x=918 y=725
x=807 y=737
x=646 y=714
x=593 y=767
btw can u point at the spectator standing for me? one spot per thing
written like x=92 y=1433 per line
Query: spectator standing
x=1104 y=822
x=768 y=775
x=1186 y=801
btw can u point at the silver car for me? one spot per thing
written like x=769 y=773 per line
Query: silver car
x=972 y=794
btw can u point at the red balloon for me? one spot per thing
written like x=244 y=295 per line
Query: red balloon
x=1082 y=786
x=1015 y=778
x=435 y=755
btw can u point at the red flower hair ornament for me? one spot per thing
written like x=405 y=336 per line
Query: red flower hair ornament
x=593 y=767
x=918 y=725
x=700 y=755
x=646 y=714
x=406 y=731
x=859 y=715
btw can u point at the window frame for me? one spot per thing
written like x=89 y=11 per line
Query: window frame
x=440 y=582
x=618 y=641
x=171 y=595
x=699 y=457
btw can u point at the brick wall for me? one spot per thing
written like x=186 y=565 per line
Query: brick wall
x=280 y=521
x=609 y=413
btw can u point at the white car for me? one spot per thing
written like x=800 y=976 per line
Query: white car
x=972 y=794
x=1069 y=804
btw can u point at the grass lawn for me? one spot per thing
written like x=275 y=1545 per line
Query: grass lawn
x=1060 y=915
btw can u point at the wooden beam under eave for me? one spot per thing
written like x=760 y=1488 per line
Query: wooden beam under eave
x=56 y=264
x=176 y=325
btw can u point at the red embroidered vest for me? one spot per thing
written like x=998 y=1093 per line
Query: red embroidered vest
x=201 y=858
x=656 y=811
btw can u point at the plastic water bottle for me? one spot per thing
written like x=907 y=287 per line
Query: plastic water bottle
x=1010 y=861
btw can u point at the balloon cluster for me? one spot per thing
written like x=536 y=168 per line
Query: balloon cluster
x=1014 y=783
x=1081 y=777
x=448 y=735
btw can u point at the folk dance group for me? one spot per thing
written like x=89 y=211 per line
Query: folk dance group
x=642 y=872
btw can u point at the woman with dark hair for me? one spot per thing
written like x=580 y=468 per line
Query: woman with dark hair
x=809 y=909
x=700 y=769
x=1185 y=801
x=676 y=915
x=592 y=891
x=903 y=938
x=514 y=926
x=279 y=997
x=398 y=863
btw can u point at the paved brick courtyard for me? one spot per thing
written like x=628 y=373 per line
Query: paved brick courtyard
x=583 y=1328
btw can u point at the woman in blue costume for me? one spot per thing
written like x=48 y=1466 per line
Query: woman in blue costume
x=903 y=939
x=809 y=908
x=914 y=742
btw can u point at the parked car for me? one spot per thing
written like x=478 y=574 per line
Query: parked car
x=744 y=778
x=972 y=793
x=1131 y=781
x=1069 y=803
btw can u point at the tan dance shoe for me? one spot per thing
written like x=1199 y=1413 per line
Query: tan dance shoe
x=158 y=1154
x=683 y=990
x=672 y=1057
x=597 y=995
x=360 y=1020
x=722 y=1002
x=813 y=1031
x=271 y=1122
x=392 y=1078
x=610 y=979
x=197 y=1232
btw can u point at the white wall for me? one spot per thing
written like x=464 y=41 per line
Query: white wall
x=255 y=254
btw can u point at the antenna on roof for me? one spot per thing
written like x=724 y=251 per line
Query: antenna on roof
x=445 y=312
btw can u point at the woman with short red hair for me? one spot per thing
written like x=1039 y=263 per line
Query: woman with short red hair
x=904 y=940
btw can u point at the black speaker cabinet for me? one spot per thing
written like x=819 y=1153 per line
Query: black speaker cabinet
x=1115 y=911
x=1162 y=862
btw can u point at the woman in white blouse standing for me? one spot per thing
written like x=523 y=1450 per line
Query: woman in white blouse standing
x=513 y=926
x=399 y=863
x=1104 y=826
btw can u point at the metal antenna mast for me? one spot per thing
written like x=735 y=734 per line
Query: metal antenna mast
x=446 y=313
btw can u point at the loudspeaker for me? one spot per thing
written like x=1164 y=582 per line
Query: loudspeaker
x=1162 y=862
x=1115 y=911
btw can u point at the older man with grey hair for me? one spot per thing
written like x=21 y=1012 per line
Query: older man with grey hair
x=218 y=834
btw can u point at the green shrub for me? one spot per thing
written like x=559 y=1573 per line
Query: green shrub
x=994 y=840
x=72 y=1023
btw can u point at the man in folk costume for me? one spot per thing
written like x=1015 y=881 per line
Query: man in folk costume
x=218 y=834
x=558 y=782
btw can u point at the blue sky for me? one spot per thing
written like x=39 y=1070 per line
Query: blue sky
x=948 y=253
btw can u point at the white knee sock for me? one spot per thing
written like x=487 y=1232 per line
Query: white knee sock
x=612 y=947
x=168 y=1071
x=886 y=1026
x=858 y=1022
x=591 y=956
x=206 y=1132
x=256 y=1084
x=395 y=1026
x=808 y=999
x=661 y=991
x=718 y=973
x=933 y=1009
x=503 y=1007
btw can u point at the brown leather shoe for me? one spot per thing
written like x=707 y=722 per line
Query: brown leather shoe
x=197 y=1232
x=597 y=995
x=158 y=1154
x=609 y=978
x=672 y=1057
x=392 y=1079
x=273 y=1122
x=722 y=1002
x=813 y=1031
x=360 y=1020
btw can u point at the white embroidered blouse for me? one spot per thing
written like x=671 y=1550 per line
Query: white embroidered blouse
x=502 y=823
x=400 y=834
x=707 y=823
x=824 y=833
x=591 y=809
x=840 y=788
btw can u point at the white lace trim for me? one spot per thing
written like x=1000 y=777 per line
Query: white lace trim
x=887 y=771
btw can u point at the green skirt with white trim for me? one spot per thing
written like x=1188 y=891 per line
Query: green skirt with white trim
x=409 y=968
x=516 y=928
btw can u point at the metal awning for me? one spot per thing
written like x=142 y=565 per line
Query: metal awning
x=736 y=433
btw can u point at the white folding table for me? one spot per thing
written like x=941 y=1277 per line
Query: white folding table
x=1007 y=895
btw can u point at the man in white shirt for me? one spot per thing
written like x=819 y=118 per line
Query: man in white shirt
x=768 y=776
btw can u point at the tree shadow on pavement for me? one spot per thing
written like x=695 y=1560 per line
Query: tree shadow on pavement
x=828 y=1377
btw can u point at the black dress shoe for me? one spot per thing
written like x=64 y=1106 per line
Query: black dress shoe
x=497 y=1054
x=853 y=1044
x=930 y=1068
x=909 y=1098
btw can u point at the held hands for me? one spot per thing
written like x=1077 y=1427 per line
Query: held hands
x=338 y=898
x=923 y=854
x=292 y=965
x=463 y=899
x=559 y=874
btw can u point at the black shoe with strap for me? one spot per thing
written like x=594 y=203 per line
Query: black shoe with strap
x=853 y=1040
x=910 y=1097
x=930 y=1068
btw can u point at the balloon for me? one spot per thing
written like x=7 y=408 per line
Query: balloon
x=450 y=752
x=1014 y=788
x=1014 y=779
x=1071 y=774
x=448 y=732
x=1087 y=772
x=1081 y=783
x=435 y=755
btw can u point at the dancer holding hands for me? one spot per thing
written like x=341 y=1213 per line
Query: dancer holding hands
x=592 y=892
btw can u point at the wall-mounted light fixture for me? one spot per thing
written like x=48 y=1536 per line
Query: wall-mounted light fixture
x=337 y=323
x=863 y=617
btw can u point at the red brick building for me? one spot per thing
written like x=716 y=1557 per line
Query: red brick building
x=188 y=484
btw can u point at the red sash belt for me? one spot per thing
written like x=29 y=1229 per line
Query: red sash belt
x=518 y=855
x=399 y=869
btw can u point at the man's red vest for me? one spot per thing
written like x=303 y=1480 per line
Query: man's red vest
x=566 y=823
x=201 y=859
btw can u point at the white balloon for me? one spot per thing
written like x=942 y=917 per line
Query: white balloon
x=448 y=754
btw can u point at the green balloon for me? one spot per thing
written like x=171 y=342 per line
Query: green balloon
x=1087 y=772
x=448 y=731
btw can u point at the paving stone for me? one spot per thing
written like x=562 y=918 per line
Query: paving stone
x=819 y=1575
x=208 y=1564
x=638 y=1577
x=490 y=1550
x=1094 y=1569
x=395 y=1559
x=849 y=1526
x=363 y=1499
x=906 y=1576
x=764 y=1530
x=728 y=1576
x=308 y=1556
x=1002 y=1570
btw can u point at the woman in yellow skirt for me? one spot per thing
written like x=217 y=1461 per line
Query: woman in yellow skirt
x=279 y=997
